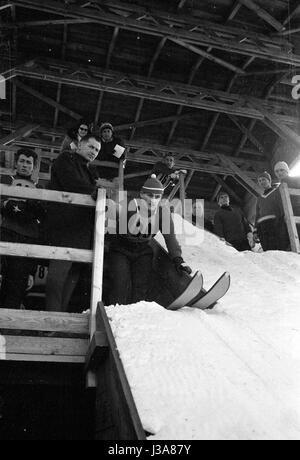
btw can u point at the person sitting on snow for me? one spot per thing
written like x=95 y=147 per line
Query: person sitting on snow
x=130 y=255
x=231 y=226
x=270 y=222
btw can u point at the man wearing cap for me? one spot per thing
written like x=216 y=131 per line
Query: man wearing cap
x=130 y=258
x=270 y=223
x=231 y=226
x=112 y=150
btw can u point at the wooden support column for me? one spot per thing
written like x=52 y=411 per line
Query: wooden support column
x=240 y=176
x=182 y=191
x=97 y=276
x=289 y=217
x=263 y=14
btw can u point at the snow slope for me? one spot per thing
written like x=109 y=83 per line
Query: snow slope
x=229 y=373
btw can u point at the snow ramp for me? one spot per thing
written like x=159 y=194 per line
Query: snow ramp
x=231 y=373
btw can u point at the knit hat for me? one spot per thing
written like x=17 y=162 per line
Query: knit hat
x=106 y=126
x=282 y=165
x=153 y=185
x=266 y=175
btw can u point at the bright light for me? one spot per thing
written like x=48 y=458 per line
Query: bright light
x=295 y=171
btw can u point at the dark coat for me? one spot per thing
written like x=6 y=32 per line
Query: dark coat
x=231 y=225
x=69 y=225
x=24 y=217
x=269 y=204
x=137 y=238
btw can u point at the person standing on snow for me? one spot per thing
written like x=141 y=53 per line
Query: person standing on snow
x=231 y=226
x=130 y=255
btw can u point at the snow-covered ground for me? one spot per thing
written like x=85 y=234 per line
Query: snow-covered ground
x=232 y=373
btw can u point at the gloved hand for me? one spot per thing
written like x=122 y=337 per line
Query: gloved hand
x=181 y=266
x=251 y=240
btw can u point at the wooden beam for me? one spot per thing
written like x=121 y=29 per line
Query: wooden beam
x=46 y=252
x=289 y=217
x=181 y=4
x=263 y=14
x=158 y=50
x=47 y=195
x=248 y=133
x=293 y=10
x=67 y=323
x=155 y=121
x=47 y=100
x=240 y=175
x=107 y=64
x=236 y=8
x=189 y=29
x=45 y=22
x=158 y=90
x=24 y=131
x=59 y=88
x=208 y=56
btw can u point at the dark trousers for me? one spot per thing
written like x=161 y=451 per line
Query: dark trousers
x=268 y=233
x=241 y=245
x=15 y=272
x=130 y=272
x=61 y=282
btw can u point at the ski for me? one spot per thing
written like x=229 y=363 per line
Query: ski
x=190 y=293
x=206 y=300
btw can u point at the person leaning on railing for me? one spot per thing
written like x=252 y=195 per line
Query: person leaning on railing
x=68 y=225
x=22 y=222
x=74 y=135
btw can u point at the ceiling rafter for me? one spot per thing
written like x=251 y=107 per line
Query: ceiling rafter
x=156 y=55
x=154 y=89
x=59 y=88
x=47 y=100
x=107 y=65
x=263 y=14
x=191 y=30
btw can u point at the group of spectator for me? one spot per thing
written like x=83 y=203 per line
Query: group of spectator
x=270 y=227
x=31 y=222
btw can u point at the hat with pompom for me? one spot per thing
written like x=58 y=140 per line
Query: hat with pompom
x=106 y=125
x=153 y=185
x=282 y=165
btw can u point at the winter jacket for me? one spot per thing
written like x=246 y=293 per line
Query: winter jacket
x=22 y=216
x=269 y=205
x=140 y=232
x=162 y=171
x=231 y=225
x=69 y=225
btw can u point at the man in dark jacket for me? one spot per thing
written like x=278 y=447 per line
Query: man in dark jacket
x=70 y=226
x=231 y=226
x=166 y=172
x=270 y=221
x=21 y=223
x=130 y=255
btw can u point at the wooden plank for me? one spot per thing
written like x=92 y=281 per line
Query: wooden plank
x=294 y=191
x=208 y=56
x=47 y=100
x=289 y=217
x=297 y=220
x=69 y=323
x=24 y=345
x=263 y=14
x=42 y=358
x=182 y=192
x=47 y=195
x=238 y=173
x=97 y=273
x=24 y=131
x=114 y=391
x=46 y=252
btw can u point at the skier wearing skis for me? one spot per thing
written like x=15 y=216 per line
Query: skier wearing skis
x=130 y=255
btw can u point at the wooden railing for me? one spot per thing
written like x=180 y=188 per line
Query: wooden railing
x=51 y=347
x=291 y=219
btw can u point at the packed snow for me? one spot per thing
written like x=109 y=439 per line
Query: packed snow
x=231 y=373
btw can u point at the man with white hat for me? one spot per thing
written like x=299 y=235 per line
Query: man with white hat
x=130 y=255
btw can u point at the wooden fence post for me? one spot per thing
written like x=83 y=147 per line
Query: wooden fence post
x=290 y=218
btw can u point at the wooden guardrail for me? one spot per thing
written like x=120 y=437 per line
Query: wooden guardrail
x=291 y=219
x=50 y=348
